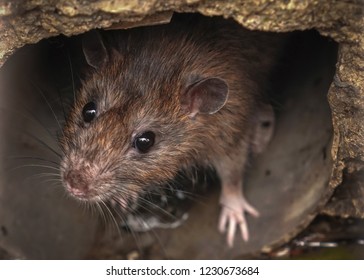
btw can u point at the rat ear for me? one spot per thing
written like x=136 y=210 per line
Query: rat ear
x=94 y=49
x=205 y=97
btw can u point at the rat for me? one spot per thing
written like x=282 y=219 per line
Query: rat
x=164 y=98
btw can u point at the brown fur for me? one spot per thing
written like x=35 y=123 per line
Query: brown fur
x=140 y=88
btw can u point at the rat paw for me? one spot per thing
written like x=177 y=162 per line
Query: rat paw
x=231 y=217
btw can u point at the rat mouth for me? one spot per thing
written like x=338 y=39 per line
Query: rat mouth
x=117 y=200
x=84 y=195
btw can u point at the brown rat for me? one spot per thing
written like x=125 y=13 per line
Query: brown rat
x=165 y=98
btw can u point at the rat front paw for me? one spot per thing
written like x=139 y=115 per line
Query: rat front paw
x=231 y=217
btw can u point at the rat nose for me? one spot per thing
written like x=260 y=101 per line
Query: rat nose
x=77 y=183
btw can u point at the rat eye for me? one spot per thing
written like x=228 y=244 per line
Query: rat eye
x=89 y=112
x=144 y=141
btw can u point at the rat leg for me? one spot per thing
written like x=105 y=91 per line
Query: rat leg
x=232 y=200
x=231 y=170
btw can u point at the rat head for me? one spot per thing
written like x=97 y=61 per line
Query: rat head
x=128 y=132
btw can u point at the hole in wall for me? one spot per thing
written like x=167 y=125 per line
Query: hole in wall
x=285 y=183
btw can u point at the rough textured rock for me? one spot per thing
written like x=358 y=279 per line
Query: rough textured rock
x=26 y=22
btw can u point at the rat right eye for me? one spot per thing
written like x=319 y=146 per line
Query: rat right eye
x=144 y=141
x=89 y=112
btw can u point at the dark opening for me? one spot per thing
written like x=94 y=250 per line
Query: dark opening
x=286 y=182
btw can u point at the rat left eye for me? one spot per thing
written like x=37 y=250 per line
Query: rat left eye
x=89 y=112
x=144 y=141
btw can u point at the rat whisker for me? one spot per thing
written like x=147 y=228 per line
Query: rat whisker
x=124 y=221
x=100 y=211
x=35 y=166
x=111 y=215
x=59 y=181
x=44 y=175
x=33 y=158
x=40 y=91
x=72 y=76
x=44 y=144
x=31 y=117
x=147 y=203
x=177 y=187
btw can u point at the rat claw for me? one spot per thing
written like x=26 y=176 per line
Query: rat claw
x=250 y=209
x=231 y=217
x=231 y=232
x=222 y=221
x=244 y=231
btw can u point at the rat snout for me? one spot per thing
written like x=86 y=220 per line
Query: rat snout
x=85 y=179
x=78 y=183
